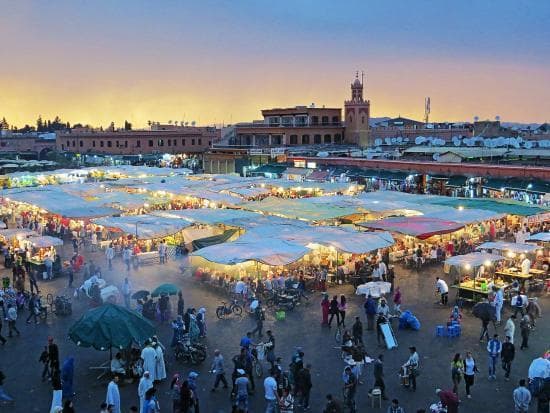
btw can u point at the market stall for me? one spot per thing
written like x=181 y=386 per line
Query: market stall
x=474 y=273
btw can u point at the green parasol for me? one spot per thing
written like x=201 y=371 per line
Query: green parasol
x=169 y=289
x=111 y=326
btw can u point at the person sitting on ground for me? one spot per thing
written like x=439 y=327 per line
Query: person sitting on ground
x=117 y=365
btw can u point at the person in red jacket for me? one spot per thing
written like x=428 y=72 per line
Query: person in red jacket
x=448 y=399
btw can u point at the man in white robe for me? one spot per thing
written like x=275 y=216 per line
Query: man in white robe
x=145 y=383
x=113 y=395
x=160 y=373
x=149 y=356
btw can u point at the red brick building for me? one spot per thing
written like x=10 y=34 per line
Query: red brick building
x=138 y=142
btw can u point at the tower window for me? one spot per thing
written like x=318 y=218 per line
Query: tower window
x=362 y=119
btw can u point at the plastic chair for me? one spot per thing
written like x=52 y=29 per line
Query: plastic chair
x=376 y=396
x=452 y=331
x=440 y=331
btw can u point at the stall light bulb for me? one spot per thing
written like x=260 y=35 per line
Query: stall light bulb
x=467 y=266
x=487 y=263
x=461 y=208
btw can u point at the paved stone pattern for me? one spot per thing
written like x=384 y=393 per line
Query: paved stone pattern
x=19 y=357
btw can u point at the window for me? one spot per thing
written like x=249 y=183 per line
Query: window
x=192 y=141
x=138 y=144
x=74 y=144
x=169 y=142
x=200 y=141
x=183 y=142
x=101 y=143
x=324 y=119
x=335 y=120
x=150 y=143
x=314 y=120
x=68 y=144
x=117 y=144
x=93 y=144
x=305 y=139
x=125 y=144
x=293 y=139
x=362 y=119
x=175 y=142
x=81 y=143
x=328 y=138
x=337 y=138
x=62 y=146
x=109 y=144
x=317 y=139
x=161 y=142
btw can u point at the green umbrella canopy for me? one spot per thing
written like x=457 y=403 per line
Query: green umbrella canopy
x=169 y=289
x=111 y=326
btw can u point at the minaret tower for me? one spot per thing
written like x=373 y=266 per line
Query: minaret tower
x=357 y=112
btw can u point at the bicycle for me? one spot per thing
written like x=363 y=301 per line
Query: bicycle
x=224 y=310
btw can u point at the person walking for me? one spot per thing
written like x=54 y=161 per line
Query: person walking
x=260 y=317
x=145 y=383
x=33 y=285
x=53 y=355
x=303 y=386
x=412 y=365
x=470 y=370
x=127 y=257
x=443 y=289
x=113 y=394
x=2 y=338
x=34 y=309
x=342 y=308
x=162 y=252
x=334 y=311
x=522 y=398
x=397 y=296
x=494 y=348
x=457 y=370
x=270 y=394
x=507 y=356
x=510 y=328
x=12 y=318
x=127 y=292
x=498 y=302
x=219 y=370
x=518 y=303
x=325 y=309
x=525 y=328
x=448 y=399
x=67 y=378
x=350 y=388
x=357 y=331
x=378 y=371
x=181 y=304
x=370 y=312
x=110 y=255
x=242 y=385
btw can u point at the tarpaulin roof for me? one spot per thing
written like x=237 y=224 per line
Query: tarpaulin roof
x=488 y=204
x=541 y=236
x=416 y=226
x=15 y=232
x=270 y=252
x=508 y=246
x=474 y=259
x=210 y=216
x=45 y=241
x=144 y=226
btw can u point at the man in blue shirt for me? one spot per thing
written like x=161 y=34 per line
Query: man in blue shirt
x=494 y=347
x=246 y=341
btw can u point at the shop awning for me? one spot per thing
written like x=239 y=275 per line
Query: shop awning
x=488 y=204
x=213 y=240
x=144 y=226
x=508 y=246
x=270 y=252
x=417 y=226
x=17 y=233
x=541 y=236
x=45 y=241
x=472 y=260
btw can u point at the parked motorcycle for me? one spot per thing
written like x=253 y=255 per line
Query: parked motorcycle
x=189 y=353
x=282 y=301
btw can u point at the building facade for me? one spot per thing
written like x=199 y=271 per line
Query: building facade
x=138 y=142
x=25 y=144
x=301 y=125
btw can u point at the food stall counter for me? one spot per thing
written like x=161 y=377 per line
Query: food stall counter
x=475 y=290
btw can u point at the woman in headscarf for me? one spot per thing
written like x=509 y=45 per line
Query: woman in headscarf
x=325 y=306
x=186 y=398
x=67 y=375
x=201 y=321
x=194 y=331
x=175 y=393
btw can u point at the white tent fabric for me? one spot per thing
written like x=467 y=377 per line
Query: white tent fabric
x=474 y=259
x=541 y=236
x=508 y=246
x=45 y=241
x=17 y=232
x=270 y=252
x=210 y=216
x=144 y=226
x=374 y=288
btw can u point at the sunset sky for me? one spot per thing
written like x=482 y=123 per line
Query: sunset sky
x=99 y=61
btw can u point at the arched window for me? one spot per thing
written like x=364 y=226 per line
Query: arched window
x=337 y=138
x=327 y=139
x=317 y=139
x=362 y=119
x=305 y=139
x=294 y=139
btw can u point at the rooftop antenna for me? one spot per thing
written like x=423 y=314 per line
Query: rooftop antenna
x=427 y=110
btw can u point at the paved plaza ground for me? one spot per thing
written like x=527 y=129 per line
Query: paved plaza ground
x=19 y=357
